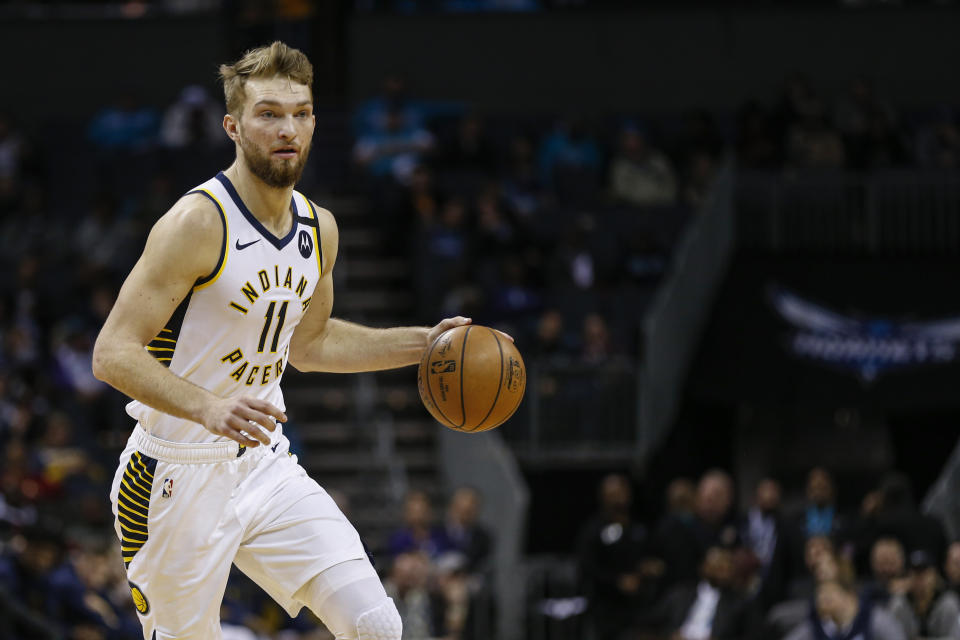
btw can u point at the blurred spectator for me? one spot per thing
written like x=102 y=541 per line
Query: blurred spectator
x=569 y=146
x=938 y=144
x=444 y=250
x=857 y=107
x=887 y=569
x=496 y=235
x=838 y=614
x=711 y=608
x=698 y=178
x=641 y=174
x=25 y=570
x=765 y=536
x=899 y=517
x=464 y=531
x=126 y=125
x=421 y=608
x=882 y=147
x=453 y=583
x=422 y=199
x=818 y=516
x=797 y=102
x=811 y=141
x=194 y=120
x=73 y=357
x=868 y=126
x=393 y=152
x=714 y=510
x=761 y=526
x=104 y=238
x=597 y=347
x=469 y=149
x=550 y=341
x=951 y=567
x=514 y=296
x=574 y=260
x=374 y=116
x=610 y=548
x=11 y=144
x=89 y=593
x=675 y=536
x=758 y=146
x=418 y=533
x=521 y=185
x=820 y=564
x=926 y=610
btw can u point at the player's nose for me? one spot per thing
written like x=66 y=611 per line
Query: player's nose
x=287 y=131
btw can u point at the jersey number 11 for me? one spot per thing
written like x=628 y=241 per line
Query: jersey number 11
x=281 y=316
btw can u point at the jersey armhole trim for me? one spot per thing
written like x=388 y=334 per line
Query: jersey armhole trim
x=315 y=229
x=206 y=281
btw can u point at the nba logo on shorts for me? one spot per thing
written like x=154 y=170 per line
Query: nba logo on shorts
x=167 y=488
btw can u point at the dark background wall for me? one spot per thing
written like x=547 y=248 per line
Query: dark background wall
x=657 y=60
x=66 y=69
x=653 y=60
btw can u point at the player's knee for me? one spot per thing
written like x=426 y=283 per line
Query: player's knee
x=380 y=623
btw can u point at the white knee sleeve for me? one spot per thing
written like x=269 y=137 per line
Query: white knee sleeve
x=380 y=623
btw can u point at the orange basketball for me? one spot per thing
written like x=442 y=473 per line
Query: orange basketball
x=471 y=379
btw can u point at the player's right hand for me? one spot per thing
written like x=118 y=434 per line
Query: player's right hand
x=243 y=419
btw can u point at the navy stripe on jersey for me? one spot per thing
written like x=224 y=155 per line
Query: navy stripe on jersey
x=316 y=225
x=279 y=243
x=133 y=504
x=163 y=346
x=223 y=244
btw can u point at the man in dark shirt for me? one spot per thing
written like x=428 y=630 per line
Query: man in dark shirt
x=610 y=549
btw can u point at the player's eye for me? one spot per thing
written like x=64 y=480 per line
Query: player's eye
x=302 y=114
x=266 y=114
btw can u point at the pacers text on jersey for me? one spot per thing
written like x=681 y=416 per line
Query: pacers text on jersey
x=274 y=317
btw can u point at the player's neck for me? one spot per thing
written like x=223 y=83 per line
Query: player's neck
x=269 y=205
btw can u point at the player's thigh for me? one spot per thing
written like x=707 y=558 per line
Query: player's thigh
x=299 y=532
x=351 y=602
x=178 y=538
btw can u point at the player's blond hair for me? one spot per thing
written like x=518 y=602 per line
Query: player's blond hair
x=276 y=59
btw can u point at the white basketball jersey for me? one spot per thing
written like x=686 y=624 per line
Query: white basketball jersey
x=231 y=334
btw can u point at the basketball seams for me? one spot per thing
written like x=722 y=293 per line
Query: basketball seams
x=496 y=398
x=511 y=367
x=429 y=356
x=463 y=353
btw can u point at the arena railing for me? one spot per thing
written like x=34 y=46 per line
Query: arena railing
x=880 y=213
x=576 y=412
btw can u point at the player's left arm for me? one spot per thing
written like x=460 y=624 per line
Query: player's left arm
x=322 y=343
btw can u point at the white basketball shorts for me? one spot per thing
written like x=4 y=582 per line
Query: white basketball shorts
x=185 y=512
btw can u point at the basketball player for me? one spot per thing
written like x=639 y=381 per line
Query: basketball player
x=234 y=285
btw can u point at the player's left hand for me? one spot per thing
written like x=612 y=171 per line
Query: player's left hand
x=445 y=325
x=450 y=323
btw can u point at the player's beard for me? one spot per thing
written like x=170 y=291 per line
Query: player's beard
x=275 y=172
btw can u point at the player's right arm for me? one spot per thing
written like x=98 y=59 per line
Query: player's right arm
x=183 y=246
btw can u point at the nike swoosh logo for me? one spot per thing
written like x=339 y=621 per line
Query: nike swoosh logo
x=240 y=247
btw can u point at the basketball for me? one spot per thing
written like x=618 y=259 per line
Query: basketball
x=471 y=379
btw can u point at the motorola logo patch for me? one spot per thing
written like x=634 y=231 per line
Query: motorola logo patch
x=305 y=242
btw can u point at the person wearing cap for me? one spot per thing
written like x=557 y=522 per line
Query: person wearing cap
x=927 y=609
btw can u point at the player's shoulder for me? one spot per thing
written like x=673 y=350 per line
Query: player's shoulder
x=193 y=213
x=190 y=235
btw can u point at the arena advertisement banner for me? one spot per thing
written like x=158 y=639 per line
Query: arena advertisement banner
x=835 y=332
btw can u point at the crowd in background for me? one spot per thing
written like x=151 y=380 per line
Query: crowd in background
x=801 y=570
x=557 y=227
x=534 y=221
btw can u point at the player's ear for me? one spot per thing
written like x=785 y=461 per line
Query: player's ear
x=231 y=125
